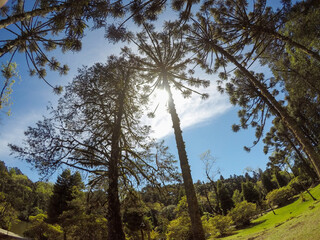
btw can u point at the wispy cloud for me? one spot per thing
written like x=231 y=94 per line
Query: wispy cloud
x=13 y=131
x=192 y=111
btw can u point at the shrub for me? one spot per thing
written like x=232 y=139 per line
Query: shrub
x=280 y=196
x=222 y=224
x=179 y=229
x=39 y=229
x=217 y=226
x=242 y=213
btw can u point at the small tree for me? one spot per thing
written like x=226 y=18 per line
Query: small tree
x=221 y=225
x=280 y=196
x=242 y=213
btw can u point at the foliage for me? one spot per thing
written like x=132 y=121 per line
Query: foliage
x=179 y=228
x=8 y=215
x=135 y=218
x=297 y=184
x=64 y=191
x=9 y=72
x=242 y=213
x=295 y=216
x=40 y=230
x=218 y=225
x=267 y=182
x=250 y=193
x=237 y=197
x=225 y=198
x=280 y=196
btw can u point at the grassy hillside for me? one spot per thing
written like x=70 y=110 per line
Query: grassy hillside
x=299 y=220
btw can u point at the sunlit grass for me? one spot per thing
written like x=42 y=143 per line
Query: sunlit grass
x=297 y=219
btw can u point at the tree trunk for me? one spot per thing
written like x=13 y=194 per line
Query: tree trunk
x=193 y=206
x=115 y=230
x=277 y=109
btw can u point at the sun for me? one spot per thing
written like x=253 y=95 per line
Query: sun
x=161 y=96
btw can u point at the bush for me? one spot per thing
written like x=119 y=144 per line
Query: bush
x=242 y=213
x=217 y=226
x=39 y=229
x=179 y=229
x=222 y=225
x=280 y=196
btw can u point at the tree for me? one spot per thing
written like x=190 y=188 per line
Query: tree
x=247 y=89
x=181 y=227
x=209 y=161
x=242 y=213
x=250 y=193
x=237 y=197
x=163 y=65
x=96 y=128
x=225 y=198
x=37 y=27
x=8 y=215
x=63 y=192
x=267 y=182
x=135 y=216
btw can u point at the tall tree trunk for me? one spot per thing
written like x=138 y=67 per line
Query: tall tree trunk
x=193 y=206
x=115 y=230
x=277 y=109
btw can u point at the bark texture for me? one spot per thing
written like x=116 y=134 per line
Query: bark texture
x=193 y=206
x=115 y=230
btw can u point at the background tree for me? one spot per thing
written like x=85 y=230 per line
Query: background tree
x=64 y=190
x=250 y=193
x=225 y=197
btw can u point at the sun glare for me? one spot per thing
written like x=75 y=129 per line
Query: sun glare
x=161 y=96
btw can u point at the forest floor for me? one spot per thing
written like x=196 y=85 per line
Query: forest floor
x=299 y=220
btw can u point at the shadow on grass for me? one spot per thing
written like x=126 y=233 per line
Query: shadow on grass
x=251 y=225
x=242 y=228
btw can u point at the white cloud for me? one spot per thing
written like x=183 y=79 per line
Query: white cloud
x=191 y=111
x=13 y=131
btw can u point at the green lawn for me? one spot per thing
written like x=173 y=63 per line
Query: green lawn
x=299 y=220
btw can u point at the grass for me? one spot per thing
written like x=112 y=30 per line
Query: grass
x=298 y=220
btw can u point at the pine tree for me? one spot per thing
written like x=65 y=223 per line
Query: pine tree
x=63 y=193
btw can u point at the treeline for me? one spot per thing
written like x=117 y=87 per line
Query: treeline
x=69 y=210
x=20 y=197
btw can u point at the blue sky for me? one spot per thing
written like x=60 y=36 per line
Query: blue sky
x=206 y=124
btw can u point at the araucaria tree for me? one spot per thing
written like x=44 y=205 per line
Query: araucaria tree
x=227 y=34
x=36 y=27
x=96 y=128
x=163 y=62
